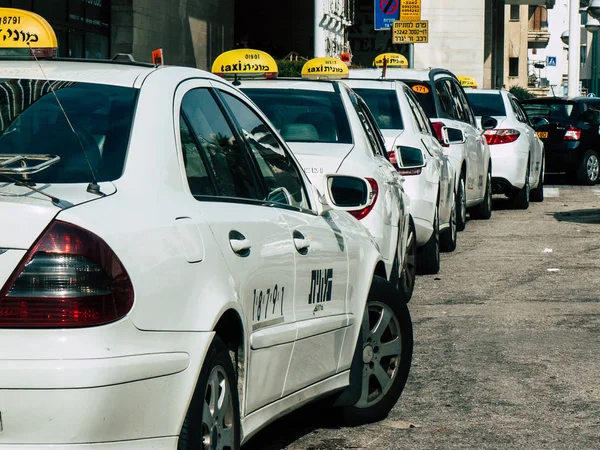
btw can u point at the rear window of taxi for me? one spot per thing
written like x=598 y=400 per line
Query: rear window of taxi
x=486 y=104
x=384 y=106
x=301 y=115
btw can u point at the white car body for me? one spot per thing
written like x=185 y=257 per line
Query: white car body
x=127 y=384
x=360 y=155
x=509 y=160
x=434 y=184
x=471 y=158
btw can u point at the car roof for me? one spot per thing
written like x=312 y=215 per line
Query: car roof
x=485 y=91
x=562 y=100
x=372 y=84
x=289 y=83
x=400 y=74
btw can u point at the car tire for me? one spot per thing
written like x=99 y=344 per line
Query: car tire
x=449 y=236
x=484 y=210
x=384 y=352
x=520 y=200
x=537 y=193
x=587 y=173
x=461 y=204
x=428 y=258
x=405 y=281
x=224 y=421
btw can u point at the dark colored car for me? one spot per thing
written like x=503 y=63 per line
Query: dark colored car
x=570 y=131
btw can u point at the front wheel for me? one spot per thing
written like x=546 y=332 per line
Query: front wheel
x=213 y=418
x=428 y=259
x=588 y=171
x=537 y=193
x=484 y=210
x=385 y=347
x=449 y=236
x=406 y=281
x=461 y=205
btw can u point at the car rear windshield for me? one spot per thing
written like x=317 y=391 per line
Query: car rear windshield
x=383 y=104
x=304 y=116
x=425 y=96
x=560 y=111
x=32 y=121
x=486 y=104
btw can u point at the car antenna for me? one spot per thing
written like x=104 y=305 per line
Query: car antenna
x=57 y=201
x=93 y=187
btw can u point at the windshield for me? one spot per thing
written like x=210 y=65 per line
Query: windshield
x=304 y=116
x=383 y=104
x=486 y=104
x=552 y=112
x=31 y=122
x=424 y=96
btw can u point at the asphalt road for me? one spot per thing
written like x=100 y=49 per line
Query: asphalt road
x=507 y=342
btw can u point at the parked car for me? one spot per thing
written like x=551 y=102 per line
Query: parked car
x=331 y=130
x=517 y=152
x=171 y=279
x=569 y=129
x=413 y=146
x=444 y=101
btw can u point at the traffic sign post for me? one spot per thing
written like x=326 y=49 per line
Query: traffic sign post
x=386 y=12
x=410 y=10
x=410 y=32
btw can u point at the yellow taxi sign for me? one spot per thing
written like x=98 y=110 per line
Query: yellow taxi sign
x=466 y=81
x=24 y=29
x=393 y=60
x=327 y=68
x=245 y=62
x=420 y=89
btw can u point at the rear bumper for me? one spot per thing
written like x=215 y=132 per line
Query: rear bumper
x=563 y=158
x=112 y=385
x=422 y=205
x=509 y=166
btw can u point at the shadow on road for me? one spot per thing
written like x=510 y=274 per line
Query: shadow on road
x=579 y=216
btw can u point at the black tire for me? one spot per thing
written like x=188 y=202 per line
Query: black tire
x=405 y=281
x=461 y=204
x=537 y=193
x=520 y=200
x=198 y=430
x=484 y=210
x=449 y=236
x=587 y=173
x=428 y=257
x=378 y=398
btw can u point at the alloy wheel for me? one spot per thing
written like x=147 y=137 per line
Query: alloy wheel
x=217 y=412
x=593 y=167
x=406 y=281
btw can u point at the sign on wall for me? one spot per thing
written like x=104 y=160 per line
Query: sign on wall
x=410 y=32
x=410 y=10
x=386 y=12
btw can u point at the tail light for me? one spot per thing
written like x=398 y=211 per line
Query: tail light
x=572 y=134
x=69 y=278
x=496 y=137
x=437 y=127
x=362 y=213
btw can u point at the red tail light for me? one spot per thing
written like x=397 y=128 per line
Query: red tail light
x=362 y=213
x=495 y=137
x=437 y=127
x=70 y=278
x=572 y=134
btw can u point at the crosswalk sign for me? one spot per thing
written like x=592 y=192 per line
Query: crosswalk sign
x=551 y=61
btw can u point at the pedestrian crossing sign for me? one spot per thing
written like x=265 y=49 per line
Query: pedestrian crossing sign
x=551 y=61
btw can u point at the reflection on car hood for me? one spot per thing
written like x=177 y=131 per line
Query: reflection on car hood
x=25 y=213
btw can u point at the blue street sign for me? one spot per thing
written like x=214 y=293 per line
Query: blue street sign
x=551 y=61
x=386 y=11
x=591 y=95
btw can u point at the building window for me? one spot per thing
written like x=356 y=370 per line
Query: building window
x=515 y=14
x=583 y=54
x=513 y=67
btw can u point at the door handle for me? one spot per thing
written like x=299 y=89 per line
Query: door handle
x=301 y=243
x=239 y=244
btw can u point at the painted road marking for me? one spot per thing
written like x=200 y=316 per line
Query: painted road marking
x=551 y=192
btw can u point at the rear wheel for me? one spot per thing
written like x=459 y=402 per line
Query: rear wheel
x=537 y=193
x=405 y=282
x=448 y=237
x=213 y=418
x=521 y=199
x=461 y=204
x=588 y=170
x=428 y=261
x=385 y=349
x=484 y=210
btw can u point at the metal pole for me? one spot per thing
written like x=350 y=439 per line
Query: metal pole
x=574 y=48
x=411 y=56
x=319 y=45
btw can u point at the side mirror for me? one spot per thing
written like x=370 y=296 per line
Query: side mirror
x=409 y=157
x=280 y=195
x=453 y=136
x=348 y=193
x=488 y=123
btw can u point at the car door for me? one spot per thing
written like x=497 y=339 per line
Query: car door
x=254 y=238
x=535 y=145
x=320 y=253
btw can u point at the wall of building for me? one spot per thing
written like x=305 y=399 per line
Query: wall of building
x=190 y=32
x=516 y=46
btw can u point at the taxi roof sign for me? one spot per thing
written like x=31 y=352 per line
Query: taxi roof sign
x=245 y=63
x=393 y=60
x=24 y=29
x=327 y=68
x=466 y=81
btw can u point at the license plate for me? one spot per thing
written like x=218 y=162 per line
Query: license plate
x=542 y=134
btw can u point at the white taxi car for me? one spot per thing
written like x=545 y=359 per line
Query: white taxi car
x=444 y=101
x=412 y=144
x=159 y=290
x=517 y=152
x=331 y=130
